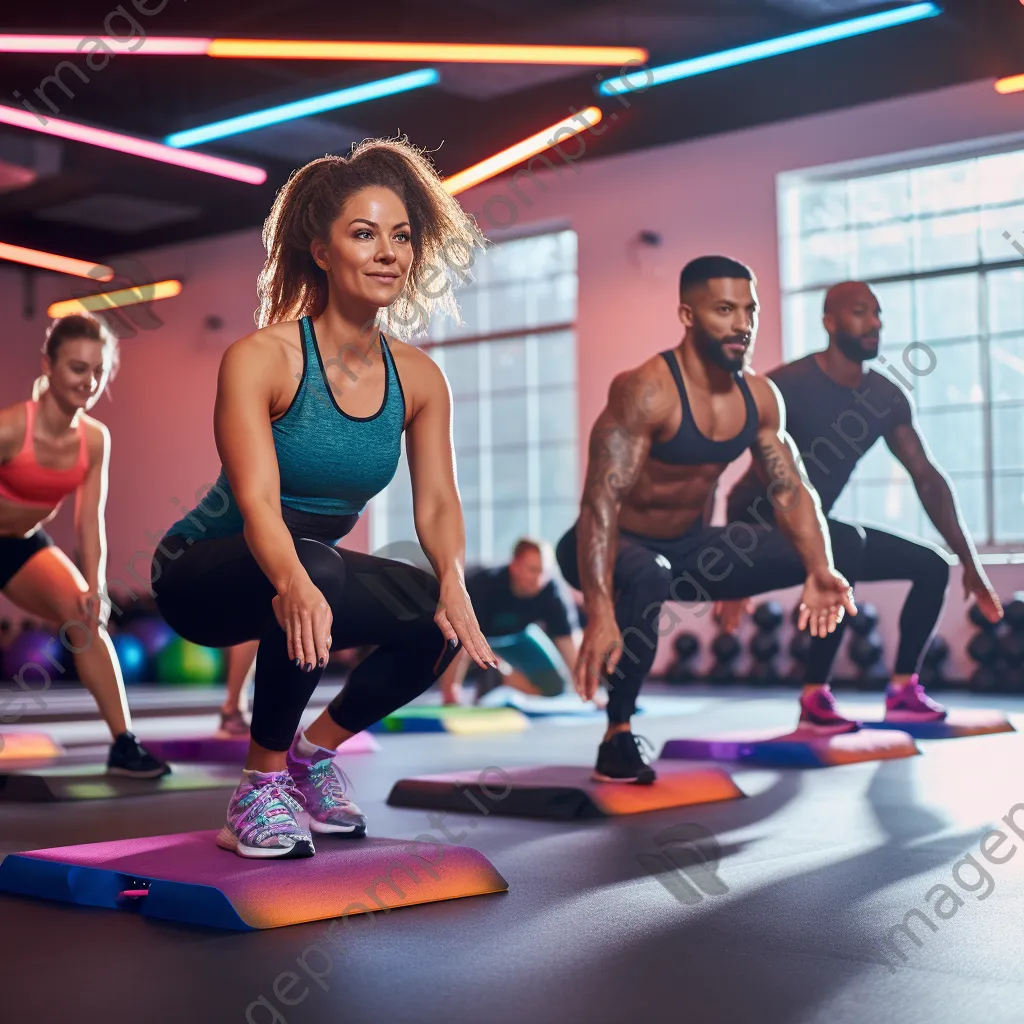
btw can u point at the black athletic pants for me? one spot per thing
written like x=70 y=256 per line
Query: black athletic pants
x=214 y=593
x=710 y=564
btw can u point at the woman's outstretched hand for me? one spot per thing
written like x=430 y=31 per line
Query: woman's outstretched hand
x=303 y=613
x=457 y=621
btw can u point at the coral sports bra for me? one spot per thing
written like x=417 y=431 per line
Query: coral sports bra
x=25 y=482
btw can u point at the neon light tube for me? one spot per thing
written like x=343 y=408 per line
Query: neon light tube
x=521 y=151
x=51 y=261
x=112 y=300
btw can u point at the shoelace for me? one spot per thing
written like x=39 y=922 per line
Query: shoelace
x=272 y=801
x=917 y=690
x=644 y=746
x=330 y=780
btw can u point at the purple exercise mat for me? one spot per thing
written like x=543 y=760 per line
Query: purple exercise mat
x=219 y=750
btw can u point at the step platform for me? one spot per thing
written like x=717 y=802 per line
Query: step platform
x=958 y=723
x=457 y=720
x=28 y=746
x=34 y=783
x=188 y=878
x=797 y=749
x=561 y=792
x=233 y=749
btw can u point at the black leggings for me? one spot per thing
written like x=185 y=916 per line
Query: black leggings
x=742 y=560
x=214 y=593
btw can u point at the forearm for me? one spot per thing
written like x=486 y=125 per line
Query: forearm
x=940 y=504
x=441 y=530
x=92 y=556
x=801 y=520
x=597 y=543
x=272 y=545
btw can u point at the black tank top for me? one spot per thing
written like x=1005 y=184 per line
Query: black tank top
x=689 y=447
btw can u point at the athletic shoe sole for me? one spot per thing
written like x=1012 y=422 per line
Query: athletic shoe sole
x=915 y=716
x=827 y=730
x=324 y=828
x=150 y=773
x=227 y=840
x=635 y=781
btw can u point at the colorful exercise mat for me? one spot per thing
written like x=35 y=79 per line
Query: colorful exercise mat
x=454 y=719
x=45 y=783
x=188 y=878
x=233 y=749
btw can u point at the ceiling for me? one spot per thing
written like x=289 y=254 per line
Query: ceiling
x=81 y=201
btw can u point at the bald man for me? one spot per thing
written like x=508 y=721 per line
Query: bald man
x=836 y=410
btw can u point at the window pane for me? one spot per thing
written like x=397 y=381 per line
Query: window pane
x=955 y=377
x=510 y=478
x=882 y=197
x=946 y=307
x=507 y=306
x=970 y=493
x=557 y=414
x=1006 y=361
x=466 y=417
x=1009 y=509
x=894 y=503
x=881 y=250
x=462 y=368
x=824 y=258
x=510 y=523
x=556 y=358
x=558 y=471
x=1005 y=300
x=471 y=513
x=468 y=472
x=950 y=186
x=508 y=419
x=508 y=365
x=804 y=332
x=822 y=205
x=956 y=437
x=995 y=226
x=950 y=241
x=1001 y=177
x=1008 y=437
x=897 y=302
x=878 y=463
x=845 y=506
x=555 y=300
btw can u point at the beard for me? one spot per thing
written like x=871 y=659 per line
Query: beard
x=714 y=349
x=857 y=348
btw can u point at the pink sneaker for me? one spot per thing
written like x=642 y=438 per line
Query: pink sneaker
x=262 y=818
x=909 y=703
x=819 y=713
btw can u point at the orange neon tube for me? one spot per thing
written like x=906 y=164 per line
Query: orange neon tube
x=111 y=300
x=51 y=261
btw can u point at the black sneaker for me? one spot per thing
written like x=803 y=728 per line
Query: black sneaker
x=622 y=759
x=129 y=757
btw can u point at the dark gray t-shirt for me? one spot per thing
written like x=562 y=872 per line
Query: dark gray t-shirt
x=832 y=425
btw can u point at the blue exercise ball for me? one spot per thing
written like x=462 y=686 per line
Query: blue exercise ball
x=153 y=633
x=132 y=656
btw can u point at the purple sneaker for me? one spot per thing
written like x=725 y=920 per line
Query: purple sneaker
x=322 y=787
x=909 y=703
x=819 y=713
x=261 y=818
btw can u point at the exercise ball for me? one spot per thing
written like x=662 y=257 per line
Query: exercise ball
x=866 y=650
x=865 y=620
x=31 y=658
x=152 y=632
x=768 y=616
x=131 y=656
x=183 y=662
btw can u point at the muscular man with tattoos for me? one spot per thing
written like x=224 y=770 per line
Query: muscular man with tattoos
x=669 y=430
x=838 y=410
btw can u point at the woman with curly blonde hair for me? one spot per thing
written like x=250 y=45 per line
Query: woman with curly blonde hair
x=309 y=418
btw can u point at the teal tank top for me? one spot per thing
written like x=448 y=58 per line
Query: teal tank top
x=330 y=463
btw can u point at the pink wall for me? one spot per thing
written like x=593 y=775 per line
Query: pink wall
x=712 y=195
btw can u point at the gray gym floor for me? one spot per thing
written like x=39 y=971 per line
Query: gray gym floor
x=816 y=867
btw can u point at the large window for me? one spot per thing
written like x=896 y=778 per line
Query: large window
x=935 y=238
x=512 y=369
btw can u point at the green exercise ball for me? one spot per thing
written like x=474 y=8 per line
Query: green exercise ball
x=181 y=661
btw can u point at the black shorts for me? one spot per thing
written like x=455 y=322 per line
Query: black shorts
x=16 y=551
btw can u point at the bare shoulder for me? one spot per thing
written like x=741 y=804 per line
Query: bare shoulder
x=265 y=349
x=422 y=379
x=767 y=397
x=97 y=438
x=644 y=394
x=12 y=429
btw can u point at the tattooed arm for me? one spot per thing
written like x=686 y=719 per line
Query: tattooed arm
x=638 y=403
x=798 y=513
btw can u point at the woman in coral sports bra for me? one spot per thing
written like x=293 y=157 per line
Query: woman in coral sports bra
x=49 y=450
